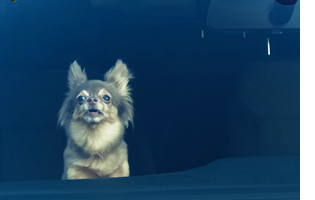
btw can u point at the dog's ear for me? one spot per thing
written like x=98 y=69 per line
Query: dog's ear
x=119 y=76
x=76 y=75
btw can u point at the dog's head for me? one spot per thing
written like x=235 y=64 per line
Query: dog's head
x=95 y=101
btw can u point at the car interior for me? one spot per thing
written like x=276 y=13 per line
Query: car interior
x=204 y=95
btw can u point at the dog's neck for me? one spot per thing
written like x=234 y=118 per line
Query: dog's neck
x=96 y=138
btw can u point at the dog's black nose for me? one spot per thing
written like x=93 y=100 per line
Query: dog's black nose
x=92 y=100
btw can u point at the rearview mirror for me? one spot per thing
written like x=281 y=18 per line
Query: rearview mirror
x=254 y=15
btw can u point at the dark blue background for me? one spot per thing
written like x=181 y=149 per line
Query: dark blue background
x=196 y=99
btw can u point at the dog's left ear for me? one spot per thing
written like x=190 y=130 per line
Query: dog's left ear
x=119 y=76
x=76 y=75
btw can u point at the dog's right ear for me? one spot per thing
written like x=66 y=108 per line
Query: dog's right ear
x=76 y=75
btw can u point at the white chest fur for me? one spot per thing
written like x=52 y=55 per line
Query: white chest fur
x=104 y=144
x=98 y=139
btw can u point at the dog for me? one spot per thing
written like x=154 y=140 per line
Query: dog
x=94 y=115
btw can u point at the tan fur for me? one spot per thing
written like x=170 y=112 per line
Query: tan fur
x=96 y=139
x=96 y=146
x=83 y=93
x=105 y=146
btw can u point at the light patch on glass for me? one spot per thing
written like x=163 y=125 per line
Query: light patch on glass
x=202 y=34
x=268 y=46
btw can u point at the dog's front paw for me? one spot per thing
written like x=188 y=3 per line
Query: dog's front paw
x=80 y=173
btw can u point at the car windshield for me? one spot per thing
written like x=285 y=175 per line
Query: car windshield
x=208 y=80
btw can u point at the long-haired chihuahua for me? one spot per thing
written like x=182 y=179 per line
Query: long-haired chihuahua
x=94 y=115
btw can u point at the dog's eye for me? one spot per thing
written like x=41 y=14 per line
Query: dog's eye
x=106 y=97
x=80 y=98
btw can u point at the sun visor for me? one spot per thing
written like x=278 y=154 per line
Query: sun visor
x=254 y=15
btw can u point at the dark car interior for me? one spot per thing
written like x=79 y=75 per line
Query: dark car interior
x=201 y=94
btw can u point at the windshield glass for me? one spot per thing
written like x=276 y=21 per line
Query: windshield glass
x=199 y=94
